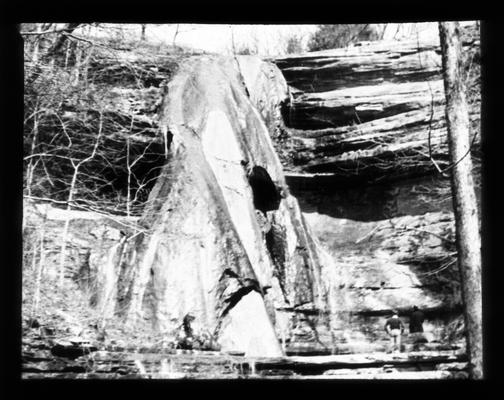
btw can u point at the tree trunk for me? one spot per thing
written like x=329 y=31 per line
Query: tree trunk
x=31 y=166
x=67 y=54
x=64 y=236
x=38 y=278
x=61 y=40
x=85 y=66
x=128 y=166
x=175 y=35
x=464 y=196
x=36 y=45
x=78 y=63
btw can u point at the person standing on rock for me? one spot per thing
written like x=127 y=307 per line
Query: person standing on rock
x=395 y=327
x=187 y=340
x=416 y=327
x=416 y=320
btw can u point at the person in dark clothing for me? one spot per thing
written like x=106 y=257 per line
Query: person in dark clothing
x=416 y=330
x=186 y=323
x=187 y=340
x=394 y=327
x=416 y=320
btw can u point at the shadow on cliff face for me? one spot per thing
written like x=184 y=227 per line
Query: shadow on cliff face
x=414 y=196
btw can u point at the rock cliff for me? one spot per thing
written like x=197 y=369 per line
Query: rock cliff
x=357 y=138
x=367 y=113
x=221 y=239
x=296 y=204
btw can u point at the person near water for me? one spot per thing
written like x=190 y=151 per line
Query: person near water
x=395 y=327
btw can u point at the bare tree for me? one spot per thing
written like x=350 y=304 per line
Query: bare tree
x=179 y=31
x=71 y=193
x=465 y=206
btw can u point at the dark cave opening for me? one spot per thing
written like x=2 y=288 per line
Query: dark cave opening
x=266 y=194
x=267 y=197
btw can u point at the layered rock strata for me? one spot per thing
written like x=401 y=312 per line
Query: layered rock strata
x=357 y=141
x=368 y=113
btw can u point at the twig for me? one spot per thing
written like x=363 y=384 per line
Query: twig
x=429 y=232
x=437 y=270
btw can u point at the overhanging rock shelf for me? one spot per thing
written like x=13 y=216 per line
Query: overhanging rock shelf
x=365 y=113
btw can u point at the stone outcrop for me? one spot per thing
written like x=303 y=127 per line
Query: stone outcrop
x=367 y=113
x=222 y=236
x=230 y=242
x=356 y=140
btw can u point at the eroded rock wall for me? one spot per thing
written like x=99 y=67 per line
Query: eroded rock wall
x=360 y=128
x=214 y=241
x=372 y=112
x=224 y=240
